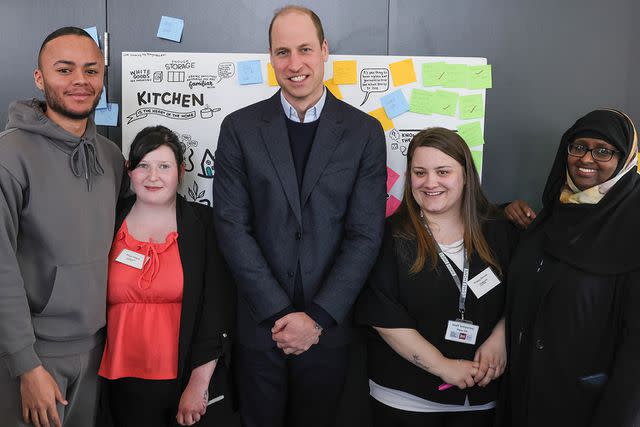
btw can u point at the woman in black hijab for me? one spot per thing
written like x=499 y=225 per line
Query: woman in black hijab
x=573 y=318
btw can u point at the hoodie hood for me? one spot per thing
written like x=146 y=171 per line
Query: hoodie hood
x=83 y=159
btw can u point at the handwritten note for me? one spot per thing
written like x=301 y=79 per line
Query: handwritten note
x=394 y=104
x=433 y=73
x=402 y=72
x=345 y=72
x=93 y=32
x=477 y=160
x=421 y=101
x=249 y=72
x=107 y=116
x=472 y=134
x=445 y=103
x=392 y=177
x=382 y=117
x=392 y=205
x=170 y=28
x=471 y=107
x=479 y=77
x=456 y=75
x=102 y=103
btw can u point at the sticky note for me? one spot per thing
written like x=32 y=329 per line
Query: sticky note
x=472 y=134
x=456 y=75
x=445 y=103
x=345 y=72
x=477 y=160
x=107 y=116
x=249 y=72
x=271 y=75
x=392 y=205
x=394 y=104
x=333 y=88
x=479 y=77
x=433 y=73
x=471 y=107
x=402 y=72
x=392 y=177
x=170 y=28
x=382 y=117
x=93 y=32
x=103 y=99
x=421 y=101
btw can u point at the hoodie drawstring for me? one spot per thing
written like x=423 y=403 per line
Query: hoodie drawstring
x=83 y=160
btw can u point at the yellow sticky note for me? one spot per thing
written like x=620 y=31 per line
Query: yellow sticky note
x=345 y=72
x=271 y=75
x=333 y=88
x=382 y=117
x=402 y=72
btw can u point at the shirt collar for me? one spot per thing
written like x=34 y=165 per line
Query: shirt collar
x=312 y=114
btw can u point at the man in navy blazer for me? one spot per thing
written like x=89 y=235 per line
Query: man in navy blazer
x=299 y=199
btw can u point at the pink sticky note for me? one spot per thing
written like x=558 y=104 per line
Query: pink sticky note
x=392 y=205
x=392 y=177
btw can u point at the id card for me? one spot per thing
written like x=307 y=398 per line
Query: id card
x=131 y=258
x=483 y=282
x=461 y=331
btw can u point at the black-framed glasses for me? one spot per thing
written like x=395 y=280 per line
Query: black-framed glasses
x=599 y=154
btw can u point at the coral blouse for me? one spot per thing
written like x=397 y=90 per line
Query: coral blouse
x=143 y=310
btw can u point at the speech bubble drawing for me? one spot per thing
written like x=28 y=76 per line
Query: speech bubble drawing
x=373 y=80
x=226 y=70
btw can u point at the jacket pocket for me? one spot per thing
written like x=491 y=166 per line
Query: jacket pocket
x=77 y=305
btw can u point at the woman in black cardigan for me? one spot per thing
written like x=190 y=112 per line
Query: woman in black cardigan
x=200 y=391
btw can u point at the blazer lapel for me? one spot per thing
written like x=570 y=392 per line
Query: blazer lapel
x=276 y=140
x=328 y=136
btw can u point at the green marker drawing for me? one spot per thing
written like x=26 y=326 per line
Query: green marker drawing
x=445 y=107
x=474 y=107
x=443 y=73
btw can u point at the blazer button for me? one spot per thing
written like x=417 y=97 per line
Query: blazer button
x=290 y=274
x=539 y=344
x=298 y=235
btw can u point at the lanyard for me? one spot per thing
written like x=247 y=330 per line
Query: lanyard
x=462 y=287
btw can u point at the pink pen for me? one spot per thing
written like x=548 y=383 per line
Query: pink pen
x=444 y=386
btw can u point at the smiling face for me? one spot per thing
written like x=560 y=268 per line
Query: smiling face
x=70 y=73
x=437 y=182
x=586 y=172
x=298 y=58
x=155 y=179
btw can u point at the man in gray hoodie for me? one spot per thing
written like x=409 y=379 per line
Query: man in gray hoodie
x=59 y=183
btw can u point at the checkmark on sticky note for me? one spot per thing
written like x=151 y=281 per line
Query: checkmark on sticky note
x=433 y=73
x=445 y=103
x=456 y=75
x=345 y=72
x=249 y=72
x=402 y=72
x=382 y=117
x=479 y=77
x=421 y=101
x=472 y=134
x=170 y=28
x=107 y=116
x=394 y=104
x=333 y=88
x=471 y=107
x=271 y=75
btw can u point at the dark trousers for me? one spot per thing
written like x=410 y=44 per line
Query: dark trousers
x=136 y=402
x=386 y=416
x=276 y=390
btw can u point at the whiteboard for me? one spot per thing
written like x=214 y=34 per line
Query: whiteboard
x=191 y=93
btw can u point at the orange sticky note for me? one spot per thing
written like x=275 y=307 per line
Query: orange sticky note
x=333 y=88
x=402 y=72
x=345 y=72
x=271 y=75
x=382 y=117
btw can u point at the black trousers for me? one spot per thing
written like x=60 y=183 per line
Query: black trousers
x=276 y=390
x=386 y=416
x=136 y=402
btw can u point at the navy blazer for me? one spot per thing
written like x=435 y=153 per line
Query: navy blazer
x=332 y=226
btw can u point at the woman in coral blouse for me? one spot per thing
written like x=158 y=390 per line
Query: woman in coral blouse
x=169 y=297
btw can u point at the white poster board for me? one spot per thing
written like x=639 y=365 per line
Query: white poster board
x=191 y=93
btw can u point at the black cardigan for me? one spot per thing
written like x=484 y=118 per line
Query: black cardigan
x=426 y=301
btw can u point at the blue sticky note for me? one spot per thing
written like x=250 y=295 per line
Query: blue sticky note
x=107 y=116
x=249 y=72
x=93 y=32
x=170 y=28
x=394 y=104
x=103 y=100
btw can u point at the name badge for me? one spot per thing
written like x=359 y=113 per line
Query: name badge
x=483 y=282
x=461 y=331
x=131 y=258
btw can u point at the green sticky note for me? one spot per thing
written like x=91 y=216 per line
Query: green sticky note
x=433 y=73
x=472 y=134
x=479 y=77
x=421 y=101
x=456 y=75
x=471 y=107
x=477 y=160
x=445 y=103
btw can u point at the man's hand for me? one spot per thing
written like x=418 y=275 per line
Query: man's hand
x=295 y=333
x=39 y=392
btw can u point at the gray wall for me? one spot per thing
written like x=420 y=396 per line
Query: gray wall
x=552 y=60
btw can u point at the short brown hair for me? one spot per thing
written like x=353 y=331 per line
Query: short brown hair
x=300 y=9
x=64 y=31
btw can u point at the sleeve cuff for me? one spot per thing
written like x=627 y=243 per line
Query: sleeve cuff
x=320 y=316
x=22 y=361
x=269 y=321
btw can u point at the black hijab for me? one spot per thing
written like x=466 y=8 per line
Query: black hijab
x=600 y=238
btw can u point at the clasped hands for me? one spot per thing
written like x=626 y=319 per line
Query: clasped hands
x=295 y=333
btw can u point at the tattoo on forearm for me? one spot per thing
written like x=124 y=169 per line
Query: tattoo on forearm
x=205 y=396
x=416 y=361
